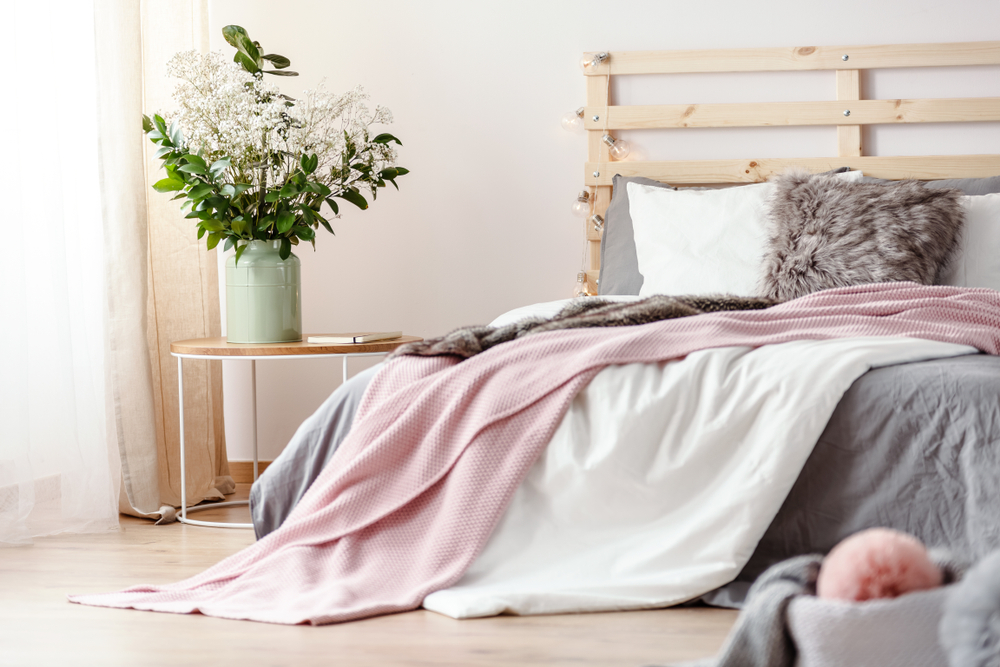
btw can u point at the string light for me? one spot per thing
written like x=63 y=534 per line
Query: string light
x=590 y=61
x=618 y=148
x=573 y=120
x=581 y=207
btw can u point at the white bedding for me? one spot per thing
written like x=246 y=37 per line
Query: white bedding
x=661 y=479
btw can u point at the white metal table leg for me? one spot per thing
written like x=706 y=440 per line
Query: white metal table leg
x=180 y=405
x=184 y=509
x=253 y=411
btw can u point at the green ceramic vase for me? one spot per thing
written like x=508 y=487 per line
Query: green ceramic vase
x=263 y=296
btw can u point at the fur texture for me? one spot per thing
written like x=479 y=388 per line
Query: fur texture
x=877 y=563
x=832 y=233
x=593 y=312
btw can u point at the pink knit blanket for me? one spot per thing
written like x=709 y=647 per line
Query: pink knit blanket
x=438 y=448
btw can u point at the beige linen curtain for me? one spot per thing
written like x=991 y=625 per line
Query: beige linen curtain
x=162 y=283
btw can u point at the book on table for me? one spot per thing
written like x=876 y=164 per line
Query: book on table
x=347 y=338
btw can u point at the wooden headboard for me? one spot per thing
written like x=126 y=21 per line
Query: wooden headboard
x=847 y=111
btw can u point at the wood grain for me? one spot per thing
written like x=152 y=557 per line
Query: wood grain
x=39 y=627
x=242 y=471
x=849 y=90
x=218 y=347
x=695 y=172
x=800 y=58
x=781 y=114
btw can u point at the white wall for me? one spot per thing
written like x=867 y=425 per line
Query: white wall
x=482 y=223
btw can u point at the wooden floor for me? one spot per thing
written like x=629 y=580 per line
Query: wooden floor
x=39 y=627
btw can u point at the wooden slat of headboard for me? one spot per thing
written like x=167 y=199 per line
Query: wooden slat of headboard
x=849 y=90
x=687 y=172
x=800 y=58
x=774 y=114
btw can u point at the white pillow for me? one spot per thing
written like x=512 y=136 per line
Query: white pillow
x=701 y=241
x=977 y=259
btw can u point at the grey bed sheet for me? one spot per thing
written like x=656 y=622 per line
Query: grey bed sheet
x=914 y=447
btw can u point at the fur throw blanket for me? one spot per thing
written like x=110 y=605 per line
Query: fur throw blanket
x=584 y=313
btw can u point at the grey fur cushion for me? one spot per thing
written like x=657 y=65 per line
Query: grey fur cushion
x=830 y=233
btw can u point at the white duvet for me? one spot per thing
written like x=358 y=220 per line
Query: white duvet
x=662 y=478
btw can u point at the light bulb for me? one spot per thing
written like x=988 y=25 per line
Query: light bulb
x=598 y=222
x=618 y=148
x=581 y=207
x=581 y=288
x=590 y=61
x=573 y=120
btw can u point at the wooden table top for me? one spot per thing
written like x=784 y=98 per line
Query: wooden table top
x=218 y=347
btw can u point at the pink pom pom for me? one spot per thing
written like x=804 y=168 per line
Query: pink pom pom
x=876 y=563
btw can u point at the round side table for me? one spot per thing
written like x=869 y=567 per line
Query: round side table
x=218 y=348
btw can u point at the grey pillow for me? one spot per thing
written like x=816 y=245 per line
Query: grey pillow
x=968 y=186
x=619 y=263
x=831 y=233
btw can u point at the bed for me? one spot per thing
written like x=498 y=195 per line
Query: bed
x=910 y=444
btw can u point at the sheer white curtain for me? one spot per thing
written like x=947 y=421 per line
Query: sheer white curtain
x=57 y=471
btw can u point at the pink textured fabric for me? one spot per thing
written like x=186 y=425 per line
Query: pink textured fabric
x=438 y=448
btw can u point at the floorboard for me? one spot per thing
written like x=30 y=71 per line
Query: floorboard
x=39 y=627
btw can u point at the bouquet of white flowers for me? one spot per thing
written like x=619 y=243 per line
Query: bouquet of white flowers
x=252 y=163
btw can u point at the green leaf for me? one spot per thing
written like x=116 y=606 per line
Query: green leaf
x=388 y=172
x=281 y=62
x=218 y=203
x=239 y=252
x=191 y=169
x=240 y=188
x=239 y=226
x=160 y=152
x=213 y=225
x=245 y=47
x=200 y=191
x=220 y=166
x=333 y=206
x=181 y=195
x=288 y=190
x=175 y=134
x=213 y=240
x=161 y=124
x=191 y=158
x=280 y=72
x=386 y=138
x=201 y=232
x=305 y=233
x=230 y=242
x=326 y=224
x=155 y=136
x=265 y=222
x=272 y=196
x=246 y=62
x=401 y=171
x=286 y=249
x=355 y=198
x=147 y=124
x=168 y=185
x=285 y=221
x=228 y=191
x=309 y=163
x=307 y=213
